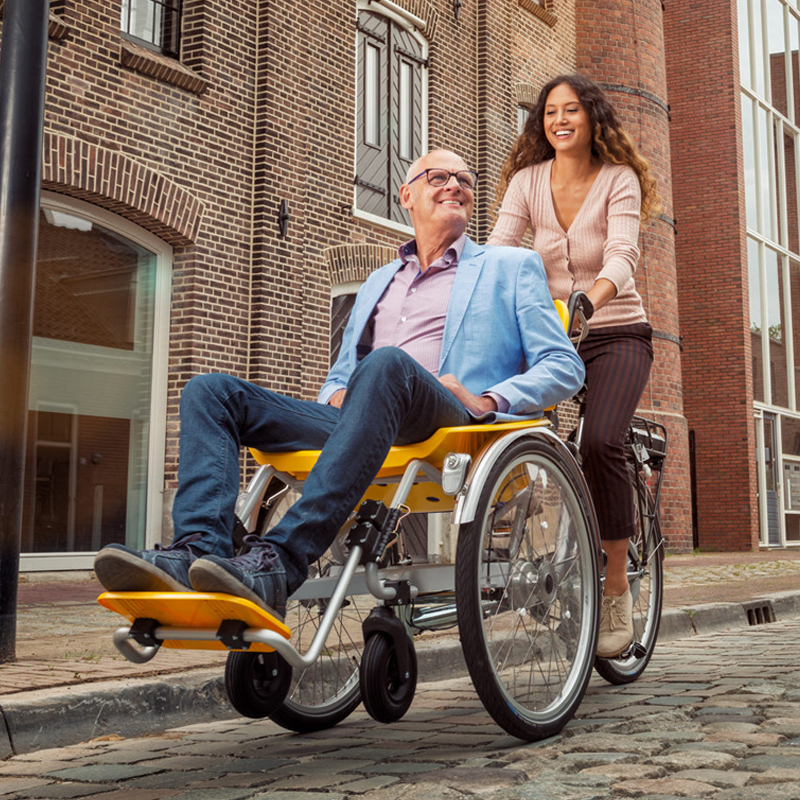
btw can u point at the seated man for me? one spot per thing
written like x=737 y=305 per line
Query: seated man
x=447 y=334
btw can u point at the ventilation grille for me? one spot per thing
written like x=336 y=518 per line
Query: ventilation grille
x=759 y=612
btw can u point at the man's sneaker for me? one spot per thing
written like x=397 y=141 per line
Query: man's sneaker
x=616 y=625
x=165 y=569
x=258 y=576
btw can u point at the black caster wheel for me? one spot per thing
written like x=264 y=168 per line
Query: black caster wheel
x=256 y=683
x=385 y=691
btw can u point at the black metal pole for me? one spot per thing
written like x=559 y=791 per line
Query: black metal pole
x=23 y=62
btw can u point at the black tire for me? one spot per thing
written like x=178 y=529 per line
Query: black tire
x=646 y=579
x=387 y=694
x=328 y=691
x=256 y=683
x=528 y=589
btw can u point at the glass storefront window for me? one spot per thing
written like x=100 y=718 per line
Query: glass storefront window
x=91 y=388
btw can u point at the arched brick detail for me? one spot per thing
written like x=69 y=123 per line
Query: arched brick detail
x=112 y=180
x=422 y=10
x=349 y=263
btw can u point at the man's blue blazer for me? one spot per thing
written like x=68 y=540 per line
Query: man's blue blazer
x=501 y=334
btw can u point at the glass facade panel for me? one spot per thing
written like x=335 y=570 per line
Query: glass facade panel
x=756 y=35
x=790 y=233
x=792 y=78
x=776 y=328
x=756 y=325
x=744 y=44
x=748 y=137
x=768 y=216
x=90 y=388
x=776 y=43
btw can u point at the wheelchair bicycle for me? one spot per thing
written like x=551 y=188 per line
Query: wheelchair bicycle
x=523 y=589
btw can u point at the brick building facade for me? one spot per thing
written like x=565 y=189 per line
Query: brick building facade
x=240 y=154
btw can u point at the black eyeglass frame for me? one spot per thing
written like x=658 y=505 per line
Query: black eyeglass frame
x=455 y=175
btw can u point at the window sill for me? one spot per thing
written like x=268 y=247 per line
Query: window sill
x=548 y=17
x=382 y=222
x=147 y=62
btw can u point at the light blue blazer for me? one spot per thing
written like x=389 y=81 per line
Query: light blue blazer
x=502 y=332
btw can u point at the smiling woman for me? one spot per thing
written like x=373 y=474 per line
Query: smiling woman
x=575 y=178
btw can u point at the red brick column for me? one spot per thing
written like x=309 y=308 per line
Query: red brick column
x=622 y=48
x=712 y=267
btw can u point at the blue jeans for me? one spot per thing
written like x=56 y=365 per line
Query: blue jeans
x=390 y=400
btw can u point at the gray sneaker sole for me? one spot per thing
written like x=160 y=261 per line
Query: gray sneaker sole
x=119 y=571
x=206 y=576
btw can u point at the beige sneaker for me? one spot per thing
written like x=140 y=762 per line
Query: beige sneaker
x=616 y=625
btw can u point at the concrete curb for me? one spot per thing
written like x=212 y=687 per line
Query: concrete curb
x=48 y=718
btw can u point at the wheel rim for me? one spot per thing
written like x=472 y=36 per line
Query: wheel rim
x=536 y=585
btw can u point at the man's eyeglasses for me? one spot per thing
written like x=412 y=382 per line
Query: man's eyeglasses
x=467 y=179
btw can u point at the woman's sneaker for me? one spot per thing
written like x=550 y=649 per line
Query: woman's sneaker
x=164 y=569
x=257 y=576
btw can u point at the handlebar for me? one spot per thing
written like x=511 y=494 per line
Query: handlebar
x=580 y=310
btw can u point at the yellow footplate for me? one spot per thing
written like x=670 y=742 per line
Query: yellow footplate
x=196 y=610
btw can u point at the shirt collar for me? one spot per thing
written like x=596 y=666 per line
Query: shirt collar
x=408 y=252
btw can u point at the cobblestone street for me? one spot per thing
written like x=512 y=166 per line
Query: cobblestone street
x=716 y=715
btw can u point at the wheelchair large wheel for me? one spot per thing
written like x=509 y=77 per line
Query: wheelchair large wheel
x=646 y=579
x=328 y=691
x=528 y=588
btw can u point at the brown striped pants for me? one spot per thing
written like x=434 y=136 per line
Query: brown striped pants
x=618 y=360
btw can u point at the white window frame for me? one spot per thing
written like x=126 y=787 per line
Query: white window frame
x=35 y=562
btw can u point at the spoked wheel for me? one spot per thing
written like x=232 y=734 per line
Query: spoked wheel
x=527 y=589
x=386 y=689
x=327 y=692
x=646 y=579
x=256 y=683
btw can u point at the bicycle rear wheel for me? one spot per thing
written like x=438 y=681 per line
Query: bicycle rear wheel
x=646 y=579
x=527 y=589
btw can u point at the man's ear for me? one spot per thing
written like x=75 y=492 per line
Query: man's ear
x=405 y=196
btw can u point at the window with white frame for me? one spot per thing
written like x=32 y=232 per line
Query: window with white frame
x=391 y=100
x=153 y=23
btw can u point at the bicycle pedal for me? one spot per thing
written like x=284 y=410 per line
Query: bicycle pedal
x=638 y=650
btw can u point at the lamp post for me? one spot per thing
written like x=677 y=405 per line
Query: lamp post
x=23 y=63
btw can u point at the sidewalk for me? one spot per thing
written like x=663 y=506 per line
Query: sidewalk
x=70 y=684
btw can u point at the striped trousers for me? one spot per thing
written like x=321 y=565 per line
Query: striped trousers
x=618 y=360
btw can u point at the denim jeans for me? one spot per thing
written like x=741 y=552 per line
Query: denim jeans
x=390 y=400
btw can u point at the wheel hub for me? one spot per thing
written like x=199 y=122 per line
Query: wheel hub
x=532 y=585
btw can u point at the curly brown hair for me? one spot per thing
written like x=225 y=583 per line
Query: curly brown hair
x=610 y=142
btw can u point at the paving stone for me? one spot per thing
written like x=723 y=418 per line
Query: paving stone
x=670 y=786
x=716 y=777
x=762 y=763
x=10 y=786
x=368 y=784
x=609 y=743
x=625 y=771
x=64 y=791
x=761 y=792
x=736 y=749
x=104 y=773
x=472 y=779
x=695 y=759
x=580 y=762
x=398 y=768
x=555 y=786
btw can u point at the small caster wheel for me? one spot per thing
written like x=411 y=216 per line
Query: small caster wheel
x=256 y=683
x=385 y=692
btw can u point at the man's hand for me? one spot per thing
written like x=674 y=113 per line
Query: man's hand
x=476 y=404
x=337 y=398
